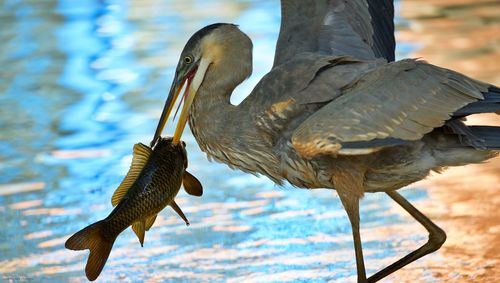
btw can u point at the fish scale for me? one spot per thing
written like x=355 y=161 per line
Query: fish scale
x=153 y=181
x=153 y=197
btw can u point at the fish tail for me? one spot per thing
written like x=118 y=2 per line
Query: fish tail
x=92 y=238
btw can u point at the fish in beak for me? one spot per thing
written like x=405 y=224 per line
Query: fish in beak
x=152 y=182
x=193 y=73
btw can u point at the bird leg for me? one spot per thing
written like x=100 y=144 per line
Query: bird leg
x=436 y=238
x=351 y=205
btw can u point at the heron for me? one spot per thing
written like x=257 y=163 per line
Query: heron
x=336 y=111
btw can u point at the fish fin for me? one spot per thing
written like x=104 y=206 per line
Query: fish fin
x=179 y=211
x=150 y=221
x=140 y=230
x=192 y=185
x=92 y=238
x=139 y=160
x=140 y=227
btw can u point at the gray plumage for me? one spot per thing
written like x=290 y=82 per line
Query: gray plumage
x=335 y=111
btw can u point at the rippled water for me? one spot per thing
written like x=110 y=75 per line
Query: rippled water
x=80 y=83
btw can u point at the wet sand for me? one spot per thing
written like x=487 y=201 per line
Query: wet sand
x=462 y=35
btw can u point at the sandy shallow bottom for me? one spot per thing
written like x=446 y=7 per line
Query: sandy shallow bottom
x=465 y=36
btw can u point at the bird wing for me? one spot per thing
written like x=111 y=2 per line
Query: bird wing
x=397 y=102
x=360 y=28
x=296 y=89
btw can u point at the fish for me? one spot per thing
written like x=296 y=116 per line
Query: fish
x=152 y=182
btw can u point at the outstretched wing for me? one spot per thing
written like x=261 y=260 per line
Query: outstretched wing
x=360 y=28
x=398 y=102
x=382 y=20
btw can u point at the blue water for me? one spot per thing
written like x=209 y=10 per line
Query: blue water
x=81 y=82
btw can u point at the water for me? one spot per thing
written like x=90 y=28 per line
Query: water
x=80 y=83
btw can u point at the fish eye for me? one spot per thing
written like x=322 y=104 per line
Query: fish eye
x=188 y=59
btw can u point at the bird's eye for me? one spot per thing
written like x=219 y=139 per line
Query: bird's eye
x=188 y=59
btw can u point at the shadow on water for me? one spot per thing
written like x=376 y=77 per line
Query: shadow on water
x=81 y=83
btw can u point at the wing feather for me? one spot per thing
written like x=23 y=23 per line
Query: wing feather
x=360 y=28
x=382 y=20
x=402 y=101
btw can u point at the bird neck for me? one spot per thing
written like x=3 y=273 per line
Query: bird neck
x=228 y=133
x=214 y=120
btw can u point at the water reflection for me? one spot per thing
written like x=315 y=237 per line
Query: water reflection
x=85 y=80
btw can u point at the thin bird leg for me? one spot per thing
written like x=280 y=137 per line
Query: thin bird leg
x=436 y=238
x=351 y=205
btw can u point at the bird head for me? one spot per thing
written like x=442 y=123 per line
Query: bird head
x=222 y=51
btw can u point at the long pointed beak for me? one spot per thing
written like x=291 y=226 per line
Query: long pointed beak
x=188 y=100
x=167 y=109
x=194 y=78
